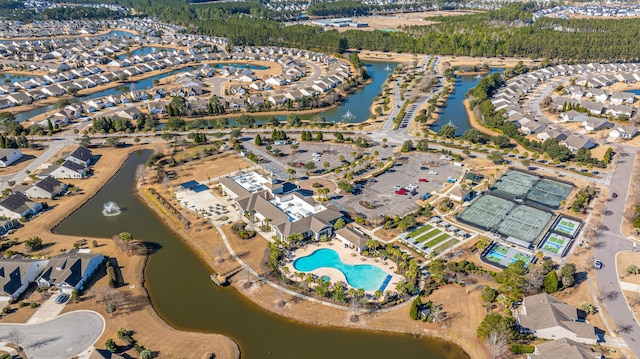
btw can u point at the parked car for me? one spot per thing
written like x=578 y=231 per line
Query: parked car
x=597 y=264
x=397 y=187
x=402 y=191
x=62 y=298
x=614 y=195
x=423 y=180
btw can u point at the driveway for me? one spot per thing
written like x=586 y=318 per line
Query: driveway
x=47 y=311
x=61 y=338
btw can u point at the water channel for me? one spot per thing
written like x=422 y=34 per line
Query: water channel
x=183 y=294
x=453 y=111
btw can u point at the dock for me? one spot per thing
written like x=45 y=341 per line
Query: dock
x=222 y=279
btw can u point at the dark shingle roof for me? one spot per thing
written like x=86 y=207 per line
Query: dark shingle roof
x=82 y=154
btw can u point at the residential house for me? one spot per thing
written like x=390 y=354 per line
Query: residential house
x=547 y=317
x=9 y=156
x=596 y=124
x=595 y=108
x=81 y=156
x=16 y=273
x=71 y=270
x=17 y=205
x=130 y=113
x=551 y=133
x=620 y=97
x=20 y=98
x=352 y=238
x=617 y=110
x=624 y=131
x=573 y=116
x=48 y=187
x=575 y=143
x=157 y=107
x=598 y=94
x=564 y=348
x=66 y=170
x=8 y=224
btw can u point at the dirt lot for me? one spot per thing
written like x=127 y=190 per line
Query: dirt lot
x=397 y=21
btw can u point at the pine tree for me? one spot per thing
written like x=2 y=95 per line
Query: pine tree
x=258 y=141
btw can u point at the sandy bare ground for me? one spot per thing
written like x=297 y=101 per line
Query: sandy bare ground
x=397 y=21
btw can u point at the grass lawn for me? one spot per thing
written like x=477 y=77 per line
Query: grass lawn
x=419 y=231
x=432 y=243
x=446 y=245
x=431 y=234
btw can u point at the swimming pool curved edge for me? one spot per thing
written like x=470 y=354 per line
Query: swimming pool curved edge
x=366 y=276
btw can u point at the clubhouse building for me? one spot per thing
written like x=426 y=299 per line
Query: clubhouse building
x=281 y=205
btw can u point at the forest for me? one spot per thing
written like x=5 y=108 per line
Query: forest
x=505 y=32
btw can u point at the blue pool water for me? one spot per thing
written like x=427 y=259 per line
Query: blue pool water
x=365 y=276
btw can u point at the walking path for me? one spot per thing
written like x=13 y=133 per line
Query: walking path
x=296 y=294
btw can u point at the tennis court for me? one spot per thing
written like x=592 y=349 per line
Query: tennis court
x=567 y=226
x=514 y=184
x=501 y=256
x=549 y=192
x=555 y=244
x=524 y=223
x=486 y=212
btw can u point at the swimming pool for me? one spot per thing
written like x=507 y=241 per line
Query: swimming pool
x=366 y=276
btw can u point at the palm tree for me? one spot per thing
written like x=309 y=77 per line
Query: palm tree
x=324 y=191
x=291 y=172
x=308 y=278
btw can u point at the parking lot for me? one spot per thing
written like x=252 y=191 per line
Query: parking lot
x=409 y=169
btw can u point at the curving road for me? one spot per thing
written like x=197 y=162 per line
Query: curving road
x=61 y=338
x=610 y=241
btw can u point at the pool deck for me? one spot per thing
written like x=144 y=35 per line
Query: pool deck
x=348 y=256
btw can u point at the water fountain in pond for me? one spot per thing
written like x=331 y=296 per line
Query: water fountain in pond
x=110 y=209
x=348 y=116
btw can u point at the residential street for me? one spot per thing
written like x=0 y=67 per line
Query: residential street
x=610 y=241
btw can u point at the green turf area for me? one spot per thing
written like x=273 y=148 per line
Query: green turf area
x=432 y=243
x=446 y=245
x=493 y=259
x=556 y=240
x=567 y=224
x=552 y=249
x=431 y=234
x=501 y=250
x=419 y=231
x=522 y=257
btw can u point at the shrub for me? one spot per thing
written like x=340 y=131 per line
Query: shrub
x=33 y=305
x=632 y=269
x=522 y=348
x=6 y=310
